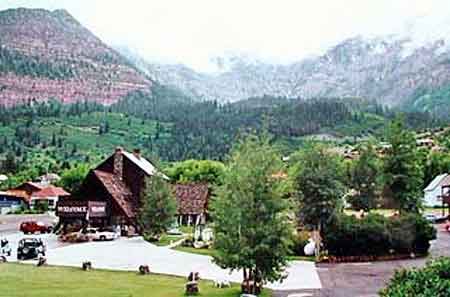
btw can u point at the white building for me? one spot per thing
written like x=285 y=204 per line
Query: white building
x=433 y=192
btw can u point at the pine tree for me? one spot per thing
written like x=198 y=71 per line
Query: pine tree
x=9 y=165
x=158 y=208
x=53 y=141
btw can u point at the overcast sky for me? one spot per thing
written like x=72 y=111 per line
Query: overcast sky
x=193 y=31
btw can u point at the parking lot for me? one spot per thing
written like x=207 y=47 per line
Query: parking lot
x=130 y=253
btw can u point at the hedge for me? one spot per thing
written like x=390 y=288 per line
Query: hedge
x=376 y=235
x=431 y=281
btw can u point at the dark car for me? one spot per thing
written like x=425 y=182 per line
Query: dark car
x=30 y=248
x=33 y=227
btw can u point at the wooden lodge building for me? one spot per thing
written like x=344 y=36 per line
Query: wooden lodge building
x=111 y=195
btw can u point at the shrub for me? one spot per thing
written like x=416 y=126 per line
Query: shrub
x=431 y=281
x=41 y=207
x=376 y=235
x=299 y=242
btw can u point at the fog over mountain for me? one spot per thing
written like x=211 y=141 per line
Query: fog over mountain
x=394 y=69
x=193 y=33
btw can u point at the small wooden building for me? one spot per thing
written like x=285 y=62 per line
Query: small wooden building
x=192 y=203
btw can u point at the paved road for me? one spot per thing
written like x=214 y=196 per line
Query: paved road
x=366 y=279
x=10 y=223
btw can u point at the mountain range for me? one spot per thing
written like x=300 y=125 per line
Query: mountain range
x=49 y=54
x=388 y=70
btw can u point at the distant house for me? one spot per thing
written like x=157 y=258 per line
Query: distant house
x=192 y=203
x=32 y=193
x=49 y=178
x=9 y=202
x=434 y=191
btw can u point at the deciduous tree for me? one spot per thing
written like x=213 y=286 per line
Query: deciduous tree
x=252 y=230
x=402 y=168
x=365 y=173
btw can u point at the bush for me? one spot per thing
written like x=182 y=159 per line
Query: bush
x=41 y=207
x=376 y=235
x=299 y=242
x=431 y=281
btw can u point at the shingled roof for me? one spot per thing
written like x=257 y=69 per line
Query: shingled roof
x=51 y=191
x=192 y=198
x=118 y=191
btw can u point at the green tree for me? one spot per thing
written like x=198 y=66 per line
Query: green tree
x=9 y=165
x=252 y=230
x=402 y=168
x=196 y=171
x=158 y=208
x=365 y=175
x=318 y=186
x=72 y=178
x=434 y=164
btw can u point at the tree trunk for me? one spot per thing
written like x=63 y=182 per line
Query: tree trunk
x=317 y=241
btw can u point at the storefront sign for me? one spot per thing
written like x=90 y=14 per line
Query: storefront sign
x=81 y=209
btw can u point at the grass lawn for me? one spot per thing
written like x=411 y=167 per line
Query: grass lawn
x=19 y=280
x=168 y=239
x=210 y=252
x=302 y=258
x=390 y=212
x=206 y=252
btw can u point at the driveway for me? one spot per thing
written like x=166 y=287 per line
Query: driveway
x=130 y=253
x=366 y=279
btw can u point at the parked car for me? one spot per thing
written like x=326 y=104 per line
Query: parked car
x=30 y=248
x=99 y=234
x=33 y=227
x=5 y=249
x=432 y=218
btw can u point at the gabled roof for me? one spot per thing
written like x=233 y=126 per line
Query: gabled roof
x=19 y=194
x=192 y=198
x=438 y=181
x=120 y=193
x=34 y=185
x=144 y=164
x=50 y=191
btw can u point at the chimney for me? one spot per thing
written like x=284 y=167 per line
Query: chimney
x=137 y=153
x=118 y=162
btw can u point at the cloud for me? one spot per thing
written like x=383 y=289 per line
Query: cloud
x=281 y=30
